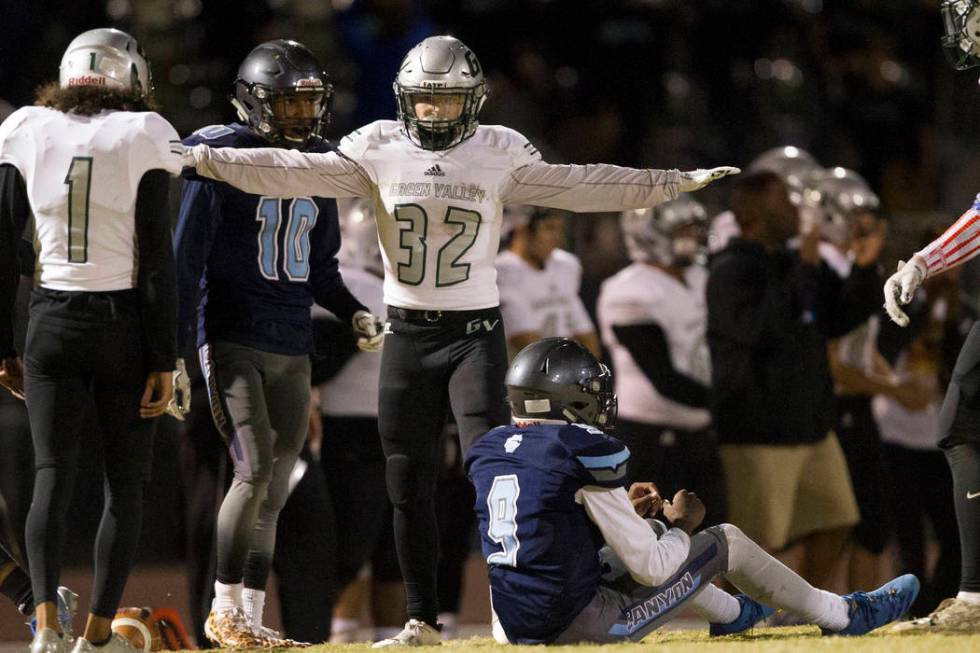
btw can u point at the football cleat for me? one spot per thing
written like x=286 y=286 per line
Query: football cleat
x=871 y=610
x=116 y=644
x=232 y=629
x=276 y=640
x=47 y=640
x=952 y=616
x=750 y=613
x=415 y=633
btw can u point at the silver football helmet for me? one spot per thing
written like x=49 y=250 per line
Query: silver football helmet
x=961 y=32
x=792 y=164
x=839 y=193
x=440 y=71
x=106 y=57
x=359 y=231
x=649 y=233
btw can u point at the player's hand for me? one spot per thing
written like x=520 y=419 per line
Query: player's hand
x=693 y=180
x=157 y=394
x=180 y=403
x=370 y=330
x=187 y=157
x=12 y=376
x=646 y=499
x=901 y=286
x=685 y=512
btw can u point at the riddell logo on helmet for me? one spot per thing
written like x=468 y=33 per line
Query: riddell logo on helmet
x=87 y=80
x=309 y=81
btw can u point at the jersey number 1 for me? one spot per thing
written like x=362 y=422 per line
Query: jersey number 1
x=502 y=506
x=79 y=181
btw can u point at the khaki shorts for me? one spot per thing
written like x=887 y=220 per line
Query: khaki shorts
x=778 y=494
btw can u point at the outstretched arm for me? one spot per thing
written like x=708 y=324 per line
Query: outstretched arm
x=277 y=172
x=956 y=246
x=600 y=186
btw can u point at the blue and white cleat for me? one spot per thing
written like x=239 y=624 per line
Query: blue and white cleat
x=871 y=610
x=751 y=613
x=67 y=607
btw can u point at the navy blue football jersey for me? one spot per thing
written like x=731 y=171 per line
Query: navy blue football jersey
x=248 y=266
x=541 y=547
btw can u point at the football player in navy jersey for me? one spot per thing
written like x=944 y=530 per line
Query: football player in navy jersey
x=249 y=268
x=571 y=558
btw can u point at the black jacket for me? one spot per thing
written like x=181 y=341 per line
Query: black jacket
x=769 y=319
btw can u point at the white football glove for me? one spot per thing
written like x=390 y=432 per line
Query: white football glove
x=180 y=403
x=697 y=179
x=901 y=286
x=187 y=157
x=370 y=330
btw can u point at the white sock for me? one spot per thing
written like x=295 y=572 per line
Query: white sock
x=772 y=583
x=253 y=602
x=716 y=606
x=969 y=597
x=226 y=597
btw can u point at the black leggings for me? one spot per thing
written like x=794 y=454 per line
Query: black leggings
x=429 y=361
x=84 y=350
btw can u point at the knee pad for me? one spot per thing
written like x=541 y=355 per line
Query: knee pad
x=402 y=477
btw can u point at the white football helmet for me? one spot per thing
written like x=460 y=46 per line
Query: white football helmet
x=839 y=193
x=792 y=164
x=649 y=233
x=106 y=57
x=359 y=231
x=440 y=66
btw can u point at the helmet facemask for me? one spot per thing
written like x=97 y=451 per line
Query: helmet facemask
x=961 y=32
x=266 y=111
x=453 y=115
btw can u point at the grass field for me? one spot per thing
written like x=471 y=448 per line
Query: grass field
x=762 y=640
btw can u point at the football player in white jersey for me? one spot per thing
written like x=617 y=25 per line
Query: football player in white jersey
x=539 y=282
x=959 y=419
x=91 y=161
x=653 y=319
x=439 y=180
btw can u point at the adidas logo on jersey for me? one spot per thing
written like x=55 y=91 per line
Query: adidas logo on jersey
x=435 y=171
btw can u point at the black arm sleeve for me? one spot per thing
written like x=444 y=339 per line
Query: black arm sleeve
x=334 y=344
x=156 y=277
x=647 y=344
x=15 y=211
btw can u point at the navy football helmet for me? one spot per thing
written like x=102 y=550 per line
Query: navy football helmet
x=273 y=73
x=557 y=378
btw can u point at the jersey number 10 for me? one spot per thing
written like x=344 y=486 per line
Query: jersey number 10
x=303 y=212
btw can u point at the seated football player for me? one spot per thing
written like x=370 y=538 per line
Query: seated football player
x=570 y=556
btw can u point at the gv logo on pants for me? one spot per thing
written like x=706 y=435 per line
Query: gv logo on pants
x=475 y=325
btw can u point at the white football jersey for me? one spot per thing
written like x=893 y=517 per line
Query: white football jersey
x=353 y=391
x=438 y=213
x=82 y=174
x=542 y=301
x=641 y=294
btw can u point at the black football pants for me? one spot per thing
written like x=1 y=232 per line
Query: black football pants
x=85 y=349
x=432 y=360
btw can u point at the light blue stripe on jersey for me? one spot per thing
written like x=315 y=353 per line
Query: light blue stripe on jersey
x=612 y=461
